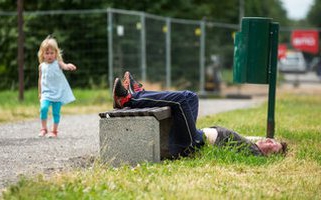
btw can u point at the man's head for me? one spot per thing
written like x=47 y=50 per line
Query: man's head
x=270 y=146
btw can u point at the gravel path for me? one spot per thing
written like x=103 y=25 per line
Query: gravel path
x=22 y=152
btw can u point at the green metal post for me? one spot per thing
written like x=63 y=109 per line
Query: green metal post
x=168 y=53
x=143 y=46
x=202 y=56
x=110 y=48
x=274 y=37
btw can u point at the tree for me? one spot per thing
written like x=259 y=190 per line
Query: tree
x=314 y=15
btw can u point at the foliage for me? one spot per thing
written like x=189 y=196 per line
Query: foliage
x=314 y=15
x=271 y=9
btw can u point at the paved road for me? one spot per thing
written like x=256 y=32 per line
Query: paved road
x=22 y=152
x=309 y=77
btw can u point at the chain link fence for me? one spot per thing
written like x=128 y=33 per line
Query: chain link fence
x=105 y=43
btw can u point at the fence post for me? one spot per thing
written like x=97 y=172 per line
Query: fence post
x=143 y=46
x=20 y=49
x=202 y=56
x=168 y=53
x=110 y=47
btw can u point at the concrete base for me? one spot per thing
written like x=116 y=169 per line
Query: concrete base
x=131 y=140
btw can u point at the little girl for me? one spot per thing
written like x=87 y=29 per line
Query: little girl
x=53 y=87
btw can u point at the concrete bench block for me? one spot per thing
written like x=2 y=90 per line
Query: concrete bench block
x=135 y=138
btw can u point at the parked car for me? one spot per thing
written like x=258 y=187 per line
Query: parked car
x=292 y=62
x=315 y=65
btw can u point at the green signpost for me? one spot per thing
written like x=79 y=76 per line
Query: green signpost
x=255 y=58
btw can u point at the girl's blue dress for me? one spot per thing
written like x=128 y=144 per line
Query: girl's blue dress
x=54 y=85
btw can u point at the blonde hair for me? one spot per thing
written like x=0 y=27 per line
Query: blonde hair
x=49 y=42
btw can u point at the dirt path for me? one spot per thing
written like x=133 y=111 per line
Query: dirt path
x=22 y=152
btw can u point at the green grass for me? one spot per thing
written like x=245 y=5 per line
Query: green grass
x=87 y=101
x=211 y=173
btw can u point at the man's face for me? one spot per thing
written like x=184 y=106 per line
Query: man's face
x=269 y=146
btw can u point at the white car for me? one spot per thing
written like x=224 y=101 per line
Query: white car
x=292 y=62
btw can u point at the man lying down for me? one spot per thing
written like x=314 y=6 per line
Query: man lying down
x=258 y=146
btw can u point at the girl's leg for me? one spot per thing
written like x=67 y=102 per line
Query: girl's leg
x=55 y=127
x=44 y=107
x=44 y=124
x=56 y=107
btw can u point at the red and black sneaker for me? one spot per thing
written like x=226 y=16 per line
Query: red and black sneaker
x=131 y=84
x=121 y=95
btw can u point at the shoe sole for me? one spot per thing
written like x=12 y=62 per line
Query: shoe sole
x=129 y=79
x=43 y=133
x=126 y=79
x=115 y=103
x=53 y=135
x=114 y=87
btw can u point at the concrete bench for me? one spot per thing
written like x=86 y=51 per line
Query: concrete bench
x=131 y=136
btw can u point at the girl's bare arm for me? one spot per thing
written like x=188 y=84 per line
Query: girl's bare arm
x=39 y=83
x=67 y=66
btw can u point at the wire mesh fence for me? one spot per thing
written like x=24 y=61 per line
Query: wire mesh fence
x=172 y=52
x=105 y=43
